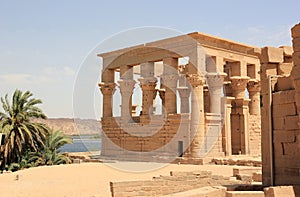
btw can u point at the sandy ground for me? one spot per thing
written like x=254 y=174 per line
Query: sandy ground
x=86 y=179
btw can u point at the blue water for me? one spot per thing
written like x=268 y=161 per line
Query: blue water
x=82 y=145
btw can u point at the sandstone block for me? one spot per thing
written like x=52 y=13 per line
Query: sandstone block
x=291 y=122
x=278 y=123
x=245 y=194
x=287 y=51
x=284 y=68
x=284 y=136
x=272 y=55
x=288 y=109
x=202 y=192
x=296 y=58
x=296 y=44
x=255 y=51
x=282 y=191
x=284 y=83
x=296 y=31
x=257 y=177
x=283 y=97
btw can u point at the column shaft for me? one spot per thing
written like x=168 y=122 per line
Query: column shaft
x=197 y=114
x=184 y=93
x=107 y=90
x=126 y=89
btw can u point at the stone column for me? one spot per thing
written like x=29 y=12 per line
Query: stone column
x=184 y=93
x=197 y=114
x=148 y=88
x=241 y=108
x=253 y=87
x=169 y=82
x=215 y=87
x=126 y=88
x=148 y=84
x=107 y=90
x=226 y=131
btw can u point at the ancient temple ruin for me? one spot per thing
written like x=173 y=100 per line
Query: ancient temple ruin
x=280 y=72
x=210 y=104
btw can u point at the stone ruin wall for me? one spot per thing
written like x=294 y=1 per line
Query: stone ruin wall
x=238 y=134
x=128 y=142
x=165 y=185
x=279 y=74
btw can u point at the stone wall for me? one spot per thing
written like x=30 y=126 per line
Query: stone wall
x=164 y=185
x=255 y=135
x=280 y=115
x=150 y=138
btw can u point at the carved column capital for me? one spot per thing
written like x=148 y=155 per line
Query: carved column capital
x=253 y=86
x=238 y=83
x=238 y=86
x=126 y=86
x=215 y=79
x=107 y=88
x=195 y=80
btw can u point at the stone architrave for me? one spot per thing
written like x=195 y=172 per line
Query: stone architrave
x=197 y=114
x=184 y=93
x=126 y=88
x=170 y=83
x=253 y=87
x=238 y=86
x=107 y=89
x=215 y=88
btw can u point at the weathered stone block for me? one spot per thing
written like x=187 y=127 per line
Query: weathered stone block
x=291 y=122
x=284 y=136
x=283 y=97
x=296 y=31
x=278 y=123
x=284 y=83
x=272 y=55
x=282 y=191
x=296 y=44
x=284 y=68
x=245 y=194
x=287 y=51
x=257 y=176
x=288 y=109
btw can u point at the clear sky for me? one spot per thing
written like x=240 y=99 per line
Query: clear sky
x=43 y=42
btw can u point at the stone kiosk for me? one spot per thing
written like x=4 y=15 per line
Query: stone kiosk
x=210 y=105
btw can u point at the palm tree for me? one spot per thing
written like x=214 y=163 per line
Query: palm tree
x=22 y=134
x=50 y=154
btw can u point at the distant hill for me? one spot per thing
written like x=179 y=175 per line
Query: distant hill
x=74 y=126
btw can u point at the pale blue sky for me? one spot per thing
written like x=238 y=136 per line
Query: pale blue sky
x=42 y=43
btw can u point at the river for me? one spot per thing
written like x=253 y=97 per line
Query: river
x=83 y=144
